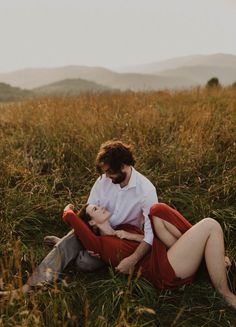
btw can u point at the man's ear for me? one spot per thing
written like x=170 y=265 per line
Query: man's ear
x=91 y=222
x=122 y=167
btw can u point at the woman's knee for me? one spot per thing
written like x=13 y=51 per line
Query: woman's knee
x=158 y=209
x=212 y=224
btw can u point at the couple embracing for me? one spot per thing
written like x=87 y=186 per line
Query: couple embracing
x=124 y=225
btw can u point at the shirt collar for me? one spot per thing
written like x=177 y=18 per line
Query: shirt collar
x=132 y=180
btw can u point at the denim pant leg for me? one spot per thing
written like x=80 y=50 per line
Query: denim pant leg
x=58 y=258
x=86 y=263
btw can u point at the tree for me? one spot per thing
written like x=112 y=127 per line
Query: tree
x=234 y=85
x=213 y=82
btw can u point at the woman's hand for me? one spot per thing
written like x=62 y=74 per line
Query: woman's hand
x=122 y=234
x=69 y=207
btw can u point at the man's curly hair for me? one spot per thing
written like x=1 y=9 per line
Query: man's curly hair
x=114 y=153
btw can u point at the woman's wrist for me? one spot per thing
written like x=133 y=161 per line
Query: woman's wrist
x=137 y=237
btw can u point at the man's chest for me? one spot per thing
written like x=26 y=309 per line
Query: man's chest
x=125 y=205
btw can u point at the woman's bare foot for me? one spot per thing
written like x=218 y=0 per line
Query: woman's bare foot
x=228 y=263
x=51 y=240
x=230 y=299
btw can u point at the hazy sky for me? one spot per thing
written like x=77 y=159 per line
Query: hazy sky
x=112 y=33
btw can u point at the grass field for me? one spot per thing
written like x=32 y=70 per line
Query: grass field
x=185 y=143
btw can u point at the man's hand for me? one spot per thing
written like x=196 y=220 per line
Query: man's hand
x=69 y=207
x=126 y=266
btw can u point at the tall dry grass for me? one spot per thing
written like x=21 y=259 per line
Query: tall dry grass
x=185 y=143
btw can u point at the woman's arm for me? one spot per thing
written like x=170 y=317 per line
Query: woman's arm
x=89 y=240
x=110 y=248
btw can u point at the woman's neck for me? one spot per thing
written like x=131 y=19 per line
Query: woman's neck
x=106 y=229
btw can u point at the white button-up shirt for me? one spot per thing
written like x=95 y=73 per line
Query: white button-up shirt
x=128 y=205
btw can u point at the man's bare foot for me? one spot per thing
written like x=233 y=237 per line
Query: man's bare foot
x=51 y=240
x=228 y=263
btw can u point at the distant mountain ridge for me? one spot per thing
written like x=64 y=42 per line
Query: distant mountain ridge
x=69 y=87
x=197 y=68
x=9 y=93
x=201 y=74
x=34 y=78
x=30 y=78
x=182 y=72
x=217 y=60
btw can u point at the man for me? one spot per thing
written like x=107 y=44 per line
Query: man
x=124 y=192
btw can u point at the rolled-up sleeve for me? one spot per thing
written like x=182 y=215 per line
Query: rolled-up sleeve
x=149 y=199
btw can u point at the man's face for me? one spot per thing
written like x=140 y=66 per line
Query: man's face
x=116 y=177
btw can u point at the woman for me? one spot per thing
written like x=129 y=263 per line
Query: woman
x=177 y=251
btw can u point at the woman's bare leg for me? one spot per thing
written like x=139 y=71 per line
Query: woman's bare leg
x=204 y=238
x=169 y=234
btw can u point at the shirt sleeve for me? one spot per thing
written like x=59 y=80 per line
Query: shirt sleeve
x=94 y=196
x=148 y=201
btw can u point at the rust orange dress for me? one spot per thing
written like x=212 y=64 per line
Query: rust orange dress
x=155 y=266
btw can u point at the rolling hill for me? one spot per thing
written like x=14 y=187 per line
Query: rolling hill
x=30 y=78
x=182 y=72
x=201 y=74
x=10 y=93
x=214 y=60
x=69 y=87
x=34 y=78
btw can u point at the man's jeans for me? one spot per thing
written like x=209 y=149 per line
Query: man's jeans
x=67 y=249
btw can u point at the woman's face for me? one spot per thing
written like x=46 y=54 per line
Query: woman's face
x=98 y=214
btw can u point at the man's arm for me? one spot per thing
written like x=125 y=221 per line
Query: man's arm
x=126 y=266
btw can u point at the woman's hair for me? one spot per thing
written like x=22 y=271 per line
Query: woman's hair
x=84 y=215
x=114 y=153
x=86 y=218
